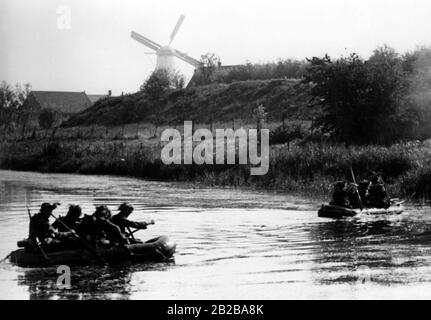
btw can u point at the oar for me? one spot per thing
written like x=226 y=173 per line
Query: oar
x=7 y=257
x=78 y=237
x=35 y=240
x=136 y=230
x=398 y=203
x=131 y=232
x=357 y=191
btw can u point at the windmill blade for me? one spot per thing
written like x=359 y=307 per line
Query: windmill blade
x=145 y=41
x=177 y=27
x=187 y=58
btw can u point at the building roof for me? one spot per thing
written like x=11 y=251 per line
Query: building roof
x=62 y=101
x=218 y=72
x=96 y=97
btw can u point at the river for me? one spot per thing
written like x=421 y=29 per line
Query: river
x=231 y=244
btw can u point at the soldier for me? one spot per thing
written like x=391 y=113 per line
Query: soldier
x=122 y=221
x=97 y=228
x=40 y=228
x=363 y=189
x=378 y=196
x=71 y=220
x=354 y=196
x=340 y=196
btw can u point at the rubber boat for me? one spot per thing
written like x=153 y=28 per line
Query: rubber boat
x=157 y=249
x=337 y=212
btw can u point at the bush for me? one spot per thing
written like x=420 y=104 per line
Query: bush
x=281 y=69
x=286 y=134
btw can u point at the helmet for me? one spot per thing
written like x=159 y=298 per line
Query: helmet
x=47 y=207
x=102 y=212
x=125 y=207
x=74 y=211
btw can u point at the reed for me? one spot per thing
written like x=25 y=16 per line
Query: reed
x=308 y=168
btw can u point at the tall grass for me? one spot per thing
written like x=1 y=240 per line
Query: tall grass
x=310 y=168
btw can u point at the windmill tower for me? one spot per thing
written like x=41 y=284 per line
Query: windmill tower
x=165 y=54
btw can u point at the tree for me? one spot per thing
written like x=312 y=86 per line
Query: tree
x=21 y=94
x=155 y=88
x=168 y=79
x=259 y=116
x=157 y=83
x=361 y=101
x=209 y=63
x=177 y=80
x=6 y=100
x=46 y=119
x=418 y=98
x=11 y=103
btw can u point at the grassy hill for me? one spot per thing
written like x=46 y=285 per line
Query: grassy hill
x=205 y=104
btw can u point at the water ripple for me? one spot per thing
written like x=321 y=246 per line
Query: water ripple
x=231 y=244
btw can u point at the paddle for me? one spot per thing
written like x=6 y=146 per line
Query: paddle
x=357 y=191
x=78 y=237
x=136 y=230
x=131 y=233
x=7 y=257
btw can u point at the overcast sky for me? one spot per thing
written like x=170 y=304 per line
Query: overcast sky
x=97 y=54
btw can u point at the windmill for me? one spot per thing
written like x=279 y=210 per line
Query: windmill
x=165 y=54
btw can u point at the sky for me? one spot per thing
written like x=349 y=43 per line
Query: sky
x=93 y=52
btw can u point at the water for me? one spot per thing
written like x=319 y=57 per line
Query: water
x=231 y=244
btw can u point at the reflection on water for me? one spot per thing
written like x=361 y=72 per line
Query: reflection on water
x=231 y=244
x=89 y=282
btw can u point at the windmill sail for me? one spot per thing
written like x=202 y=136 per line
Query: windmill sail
x=187 y=58
x=177 y=27
x=165 y=54
x=145 y=41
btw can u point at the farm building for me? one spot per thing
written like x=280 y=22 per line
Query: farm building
x=62 y=103
x=96 y=97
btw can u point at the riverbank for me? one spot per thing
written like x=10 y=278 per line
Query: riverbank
x=300 y=169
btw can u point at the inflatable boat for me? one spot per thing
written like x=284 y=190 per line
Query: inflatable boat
x=337 y=212
x=157 y=249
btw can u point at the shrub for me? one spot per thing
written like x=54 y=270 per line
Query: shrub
x=286 y=134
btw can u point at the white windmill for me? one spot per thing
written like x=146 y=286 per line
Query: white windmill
x=165 y=54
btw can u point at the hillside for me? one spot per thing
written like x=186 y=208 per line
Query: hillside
x=205 y=104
